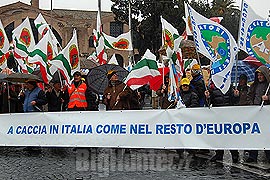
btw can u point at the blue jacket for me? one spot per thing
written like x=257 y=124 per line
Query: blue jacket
x=35 y=95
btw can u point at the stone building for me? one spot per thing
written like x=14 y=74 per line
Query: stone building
x=63 y=21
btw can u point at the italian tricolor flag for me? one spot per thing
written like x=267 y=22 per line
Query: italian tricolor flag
x=67 y=60
x=143 y=71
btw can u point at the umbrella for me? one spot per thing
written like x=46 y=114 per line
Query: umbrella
x=252 y=61
x=243 y=68
x=55 y=76
x=97 y=77
x=2 y=76
x=22 y=78
x=188 y=49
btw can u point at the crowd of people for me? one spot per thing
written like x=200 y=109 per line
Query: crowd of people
x=118 y=96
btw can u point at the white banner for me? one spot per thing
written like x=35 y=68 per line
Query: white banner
x=198 y=128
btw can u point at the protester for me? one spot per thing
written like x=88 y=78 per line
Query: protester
x=162 y=92
x=118 y=96
x=92 y=100
x=9 y=99
x=197 y=83
x=57 y=98
x=189 y=97
x=33 y=98
x=215 y=97
x=77 y=90
x=256 y=95
x=243 y=89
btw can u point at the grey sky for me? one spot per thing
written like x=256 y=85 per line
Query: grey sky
x=261 y=7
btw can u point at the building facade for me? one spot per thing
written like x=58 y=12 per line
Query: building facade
x=63 y=22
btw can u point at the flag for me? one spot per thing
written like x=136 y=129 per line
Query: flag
x=254 y=34
x=171 y=42
x=99 y=42
x=143 y=71
x=43 y=28
x=216 y=43
x=24 y=42
x=122 y=42
x=4 y=47
x=42 y=53
x=188 y=30
x=113 y=60
x=67 y=60
x=173 y=89
x=169 y=35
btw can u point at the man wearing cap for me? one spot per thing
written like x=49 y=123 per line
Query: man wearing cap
x=256 y=95
x=118 y=96
x=77 y=99
x=57 y=98
x=197 y=83
x=189 y=97
x=33 y=98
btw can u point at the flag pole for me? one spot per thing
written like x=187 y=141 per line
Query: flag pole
x=51 y=13
x=131 y=57
x=236 y=57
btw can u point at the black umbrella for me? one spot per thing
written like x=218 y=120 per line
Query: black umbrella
x=97 y=77
x=22 y=78
x=2 y=76
x=55 y=76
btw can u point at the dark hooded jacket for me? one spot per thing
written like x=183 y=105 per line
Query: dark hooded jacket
x=128 y=98
x=258 y=89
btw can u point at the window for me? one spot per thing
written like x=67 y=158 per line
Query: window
x=116 y=28
x=91 y=41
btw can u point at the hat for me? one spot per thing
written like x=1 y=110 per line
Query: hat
x=55 y=81
x=196 y=67
x=185 y=81
x=243 y=76
x=32 y=82
x=110 y=74
x=77 y=73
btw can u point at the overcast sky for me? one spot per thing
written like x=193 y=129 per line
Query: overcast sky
x=261 y=7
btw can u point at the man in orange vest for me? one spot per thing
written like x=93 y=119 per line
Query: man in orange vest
x=77 y=99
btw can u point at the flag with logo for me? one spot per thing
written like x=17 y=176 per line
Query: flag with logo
x=43 y=28
x=67 y=60
x=254 y=34
x=122 y=42
x=24 y=42
x=4 y=47
x=143 y=71
x=41 y=55
x=171 y=43
x=216 y=43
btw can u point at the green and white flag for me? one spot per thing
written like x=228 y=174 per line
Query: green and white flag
x=41 y=55
x=24 y=43
x=254 y=34
x=67 y=60
x=122 y=42
x=4 y=47
x=43 y=28
x=143 y=71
